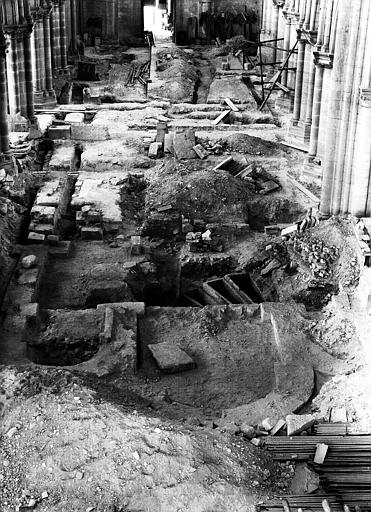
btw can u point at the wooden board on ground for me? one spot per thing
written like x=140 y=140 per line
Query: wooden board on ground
x=231 y=105
x=221 y=117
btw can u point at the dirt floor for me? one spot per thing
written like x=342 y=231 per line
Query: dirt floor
x=89 y=421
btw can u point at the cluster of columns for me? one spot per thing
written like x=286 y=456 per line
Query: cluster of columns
x=346 y=185
x=4 y=130
x=331 y=85
x=33 y=50
x=48 y=48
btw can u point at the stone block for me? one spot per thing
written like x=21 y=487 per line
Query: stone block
x=43 y=214
x=169 y=143
x=289 y=230
x=200 y=151
x=91 y=233
x=29 y=277
x=297 y=423
x=53 y=240
x=29 y=261
x=183 y=145
x=59 y=132
x=321 y=452
x=36 y=238
x=170 y=358
x=154 y=150
x=75 y=118
x=89 y=132
x=109 y=317
x=30 y=311
x=45 y=229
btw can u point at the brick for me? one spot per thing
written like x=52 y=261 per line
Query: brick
x=36 y=238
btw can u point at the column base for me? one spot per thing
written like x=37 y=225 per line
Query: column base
x=58 y=72
x=300 y=131
x=45 y=100
x=285 y=102
x=312 y=170
x=34 y=129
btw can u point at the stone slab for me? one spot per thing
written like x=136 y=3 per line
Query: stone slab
x=61 y=132
x=183 y=145
x=29 y=277
x=170 y=358
x=75 y=118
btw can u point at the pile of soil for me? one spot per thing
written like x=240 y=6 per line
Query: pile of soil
x=197 y=193
x=177 y=74
x=66 y=447
x=250 y=145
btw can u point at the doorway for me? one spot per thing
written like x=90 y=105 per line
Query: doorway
x=157 y=18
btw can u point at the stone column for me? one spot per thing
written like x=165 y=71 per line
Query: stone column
x=48 y=55
x=55 y=36
x=63 y=36
x=299 y=80
x=74 y=27
x=286 y=45
x=36 y=54
x=41 y=54
x=21 y=73
x=28 y=61
x=4 y=128
x=35 y=79
x=342 y=51
x=356 y=196
x=275 y=23
x=12 y=74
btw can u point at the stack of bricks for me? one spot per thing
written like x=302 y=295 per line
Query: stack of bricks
x=89 y=221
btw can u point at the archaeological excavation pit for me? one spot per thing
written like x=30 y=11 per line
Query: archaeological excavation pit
x=184 y=256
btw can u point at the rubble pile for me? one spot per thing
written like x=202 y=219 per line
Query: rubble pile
x=316 y=254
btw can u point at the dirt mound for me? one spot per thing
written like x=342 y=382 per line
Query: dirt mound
x=197 y=193
x=177 y=75
x=66 y=449
x=248 y=144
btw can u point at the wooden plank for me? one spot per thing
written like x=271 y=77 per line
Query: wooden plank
x=223 y=163
x=231 y=105
x=303 y=189
x=221 y=117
